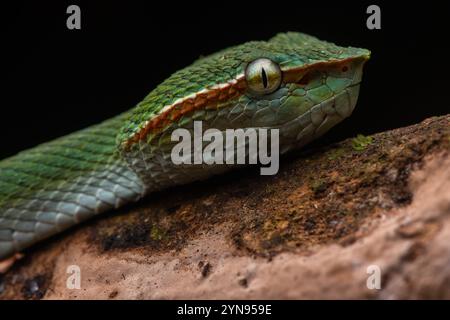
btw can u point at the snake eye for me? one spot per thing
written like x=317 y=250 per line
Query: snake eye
x=263 y=76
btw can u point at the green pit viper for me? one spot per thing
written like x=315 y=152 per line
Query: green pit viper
x=294 y=82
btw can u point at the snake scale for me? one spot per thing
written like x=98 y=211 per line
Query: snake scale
x=294 y=82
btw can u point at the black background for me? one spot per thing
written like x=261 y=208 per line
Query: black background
x=281 y=309
x=58 y=80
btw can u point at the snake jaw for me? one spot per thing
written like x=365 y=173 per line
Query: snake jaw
x=318 y=100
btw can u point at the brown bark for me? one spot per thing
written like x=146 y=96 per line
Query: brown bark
x=309 y=232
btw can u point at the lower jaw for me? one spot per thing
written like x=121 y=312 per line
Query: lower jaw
x=154 y=170
x=318 y=120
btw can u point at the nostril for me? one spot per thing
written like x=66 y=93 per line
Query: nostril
x=344 y=69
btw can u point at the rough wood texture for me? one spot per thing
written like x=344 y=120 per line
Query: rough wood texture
x=309 y=232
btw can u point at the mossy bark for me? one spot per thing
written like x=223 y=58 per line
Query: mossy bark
x=324 y=201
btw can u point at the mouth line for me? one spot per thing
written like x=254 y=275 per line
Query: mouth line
x=319 y=118
x=318 y=106
x=354 y=84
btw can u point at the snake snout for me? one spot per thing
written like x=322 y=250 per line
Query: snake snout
x=357 y=68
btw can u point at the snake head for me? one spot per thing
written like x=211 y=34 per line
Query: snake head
x=294 y=82
x=319 y=88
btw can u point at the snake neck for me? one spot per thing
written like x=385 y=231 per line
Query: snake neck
x=58 y=184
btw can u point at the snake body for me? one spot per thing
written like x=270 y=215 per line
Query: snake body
x=56 y=185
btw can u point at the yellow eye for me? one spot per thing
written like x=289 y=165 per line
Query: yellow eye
x=263 y=76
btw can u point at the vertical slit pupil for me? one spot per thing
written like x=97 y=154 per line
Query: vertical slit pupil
x=264 y=77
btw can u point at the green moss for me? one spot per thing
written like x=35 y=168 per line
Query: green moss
x=336 y=153
x=156 y=233
x=361 y=142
